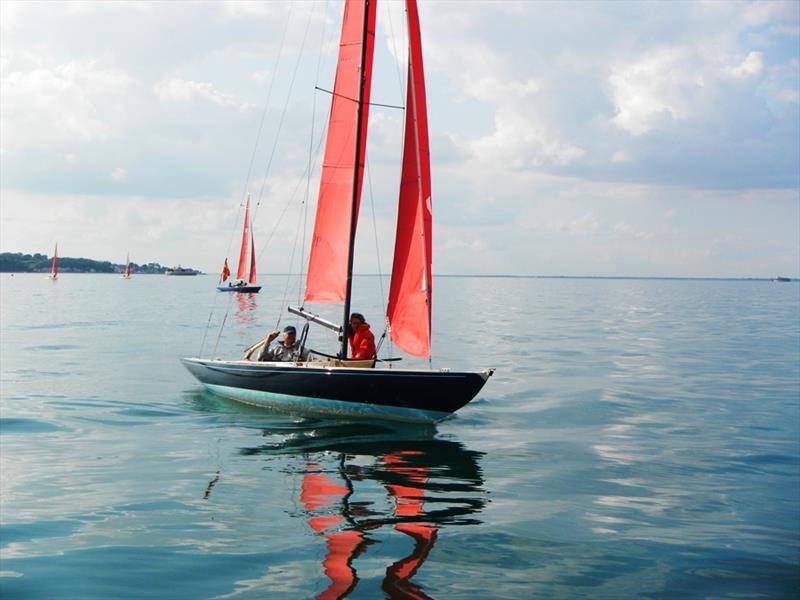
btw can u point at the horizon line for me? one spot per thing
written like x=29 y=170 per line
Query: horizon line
x=498 y=276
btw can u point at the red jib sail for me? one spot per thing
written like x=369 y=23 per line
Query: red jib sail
x=243 y=251
x=409 y=310
x=252 y=279
x=327 y=265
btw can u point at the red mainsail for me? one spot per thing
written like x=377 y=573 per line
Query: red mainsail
x=409 y=310
x=243 y=251
x=327 y=265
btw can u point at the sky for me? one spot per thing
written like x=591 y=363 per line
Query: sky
x=567 y=138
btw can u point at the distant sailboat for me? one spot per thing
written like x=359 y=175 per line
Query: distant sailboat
x=126 y=274
x=54 y=265
x=240 y=285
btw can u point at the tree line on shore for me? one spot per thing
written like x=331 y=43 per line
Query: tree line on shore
x=17 y=262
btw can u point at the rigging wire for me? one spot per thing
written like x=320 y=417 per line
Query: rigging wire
x=222 y=326
x=284 y=111
x=261 y=123
x=377 y=252
x=256 y=144
x=394 y=50
x=275 y=142
x=287 y=204
x=380 y=104
x=289 y=274
x=310 y=154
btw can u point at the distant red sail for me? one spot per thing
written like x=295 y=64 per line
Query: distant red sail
x=243 y=252
x=252 y=279
x=409 y=310
x=327 y=266
x=54 y=263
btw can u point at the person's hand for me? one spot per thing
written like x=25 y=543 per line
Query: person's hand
x=272 y=336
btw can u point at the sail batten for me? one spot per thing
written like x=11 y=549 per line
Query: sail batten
x=410 y=292
x=341 y=178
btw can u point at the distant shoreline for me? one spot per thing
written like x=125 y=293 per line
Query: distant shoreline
x=17 y=262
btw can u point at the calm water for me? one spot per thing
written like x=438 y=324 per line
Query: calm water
x=639 y=439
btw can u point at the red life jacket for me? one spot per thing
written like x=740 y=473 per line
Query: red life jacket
x=362 y=343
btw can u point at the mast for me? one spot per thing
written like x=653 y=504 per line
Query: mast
x=356 y=187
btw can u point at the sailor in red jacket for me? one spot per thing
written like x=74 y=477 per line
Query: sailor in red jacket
x=362 y=342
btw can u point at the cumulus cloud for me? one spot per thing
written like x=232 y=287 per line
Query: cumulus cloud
x=79 y=100
x=665 y=84
x=520 y=137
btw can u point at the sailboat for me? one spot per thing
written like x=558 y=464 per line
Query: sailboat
x=239 y=285
x=126 y=274
x=54 y=265
x=359 y=388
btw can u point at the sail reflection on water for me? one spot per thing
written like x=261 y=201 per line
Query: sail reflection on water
x=246 y=309
x=360 y=486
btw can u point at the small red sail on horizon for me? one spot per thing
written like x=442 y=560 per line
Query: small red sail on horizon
x=409 y=309
x=327 y=266
x=54 y=264
x=127 y=272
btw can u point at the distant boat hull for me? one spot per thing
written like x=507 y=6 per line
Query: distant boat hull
x=312 y=388
x=181 y=272
x=243 y=289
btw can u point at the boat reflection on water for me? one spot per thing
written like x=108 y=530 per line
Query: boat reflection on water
x=362 y=483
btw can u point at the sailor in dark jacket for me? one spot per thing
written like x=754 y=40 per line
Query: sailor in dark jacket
x=286 y=351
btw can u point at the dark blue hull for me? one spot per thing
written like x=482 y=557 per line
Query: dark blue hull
x=242 y=289
x=397 y=394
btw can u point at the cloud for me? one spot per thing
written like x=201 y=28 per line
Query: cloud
x=181 y=91
x=752 y=66
x=78 y=101
x=663 y=85
x=243 y=9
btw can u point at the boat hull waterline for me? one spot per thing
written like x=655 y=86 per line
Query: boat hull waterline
x=311 y=388
x=242 y=289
